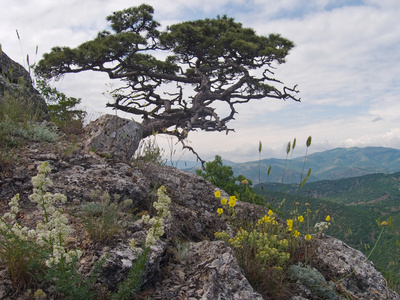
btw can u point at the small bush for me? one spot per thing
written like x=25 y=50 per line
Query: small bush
x=149 y=151
x=131 y=285
x=222 y=177
x=102 y=217
x=267 y=248
x=312 y=279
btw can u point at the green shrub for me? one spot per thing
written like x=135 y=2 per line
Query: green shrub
x=222 y=176
x=312 y=279
x=62 y=109
x=102 y=217
x=267 y=248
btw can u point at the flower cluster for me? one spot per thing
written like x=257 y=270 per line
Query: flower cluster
x=232 y=201
x=54 y=230
x=290 y=224
x=157 y=222
x=269 y=248
x=268 y=219
x=321 y=227
x=50 y=234
x=228 y=205
x=162 y=204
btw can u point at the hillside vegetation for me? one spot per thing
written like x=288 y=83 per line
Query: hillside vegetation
x=355 y=204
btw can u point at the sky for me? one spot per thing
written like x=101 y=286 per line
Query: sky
x=346 y=63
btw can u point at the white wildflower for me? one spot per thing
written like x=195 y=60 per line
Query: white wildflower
x=321 y=227
x=44 y=167
x=150 y=239
x=132 y=244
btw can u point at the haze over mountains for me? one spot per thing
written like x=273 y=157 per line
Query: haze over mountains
x=328 y=165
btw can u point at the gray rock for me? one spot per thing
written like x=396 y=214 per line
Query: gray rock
x=113 y=136
x=354 y=275
x=16 y=82
x=208 y=271
x=121 y=258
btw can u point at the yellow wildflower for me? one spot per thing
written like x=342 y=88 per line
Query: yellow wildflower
x=307 y=204
x=217 y=194
x=328 y=218
x=220 y=211
x=260 y=221
x=270 y=212
x=384 y=223
x=296 y=233
x=300 y=218
x=266 y=219
x=289 y=224
x=224 y=201
x=232 y=201
x=308 y=237
x=245 y=181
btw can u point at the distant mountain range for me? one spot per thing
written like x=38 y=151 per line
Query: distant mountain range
x=327 y=165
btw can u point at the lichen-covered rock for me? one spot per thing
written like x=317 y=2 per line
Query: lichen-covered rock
x=16 y=82
x=206 y=270
x=113 y=136
x=353 y=274
x=120 y=259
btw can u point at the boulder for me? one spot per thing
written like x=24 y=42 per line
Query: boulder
x=350 y=270
x=205 y=270
x=16 y=82
x=113 y=136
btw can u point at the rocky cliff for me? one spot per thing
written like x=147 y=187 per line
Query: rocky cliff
x=187 y=262
x=16 y=81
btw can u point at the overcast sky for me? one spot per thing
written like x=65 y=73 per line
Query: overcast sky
x=346 y=63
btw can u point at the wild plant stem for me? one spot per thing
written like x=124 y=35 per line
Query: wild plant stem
x=376 y=243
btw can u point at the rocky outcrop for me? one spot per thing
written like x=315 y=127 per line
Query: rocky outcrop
x=16 y=82
x=350 y=271
x=113 y=136
x=188 y=262
x=205 y=270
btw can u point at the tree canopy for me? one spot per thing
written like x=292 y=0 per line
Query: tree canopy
x=174 y=78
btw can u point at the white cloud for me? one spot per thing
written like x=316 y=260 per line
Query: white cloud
x=345 y=62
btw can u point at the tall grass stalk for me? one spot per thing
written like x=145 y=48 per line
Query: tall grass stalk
x=303 y=181
x=259 y=161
